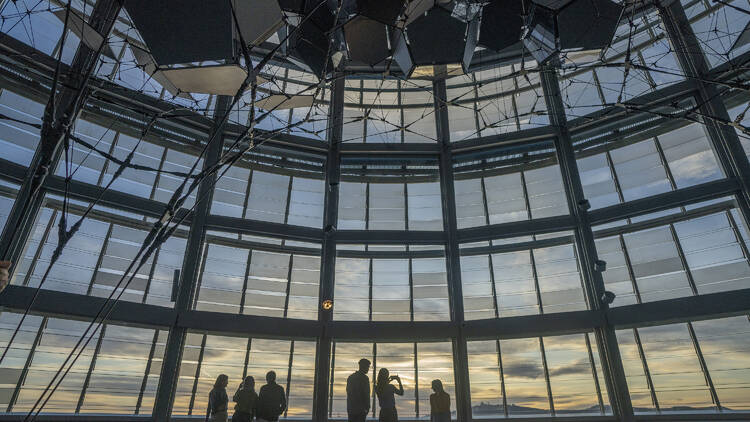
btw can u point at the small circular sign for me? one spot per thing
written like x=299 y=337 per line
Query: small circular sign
x=327 y=304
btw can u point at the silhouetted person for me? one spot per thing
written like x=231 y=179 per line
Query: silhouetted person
x=271 y=400
x=440 y=403
x=358 y=393
x=218 y=400
x=247 y=401
x=386 y=398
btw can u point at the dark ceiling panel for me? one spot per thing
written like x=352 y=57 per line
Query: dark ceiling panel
x=588 y=24
x=183 y=31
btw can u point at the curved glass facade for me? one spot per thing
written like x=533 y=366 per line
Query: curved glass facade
x=466 y=229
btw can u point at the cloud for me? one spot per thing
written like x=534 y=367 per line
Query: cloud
x=579 y=367
x=523 y=370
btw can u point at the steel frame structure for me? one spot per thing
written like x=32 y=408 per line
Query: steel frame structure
x=599 y=319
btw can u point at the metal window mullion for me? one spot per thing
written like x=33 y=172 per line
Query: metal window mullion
x=629 y=266
x=38 y=251
x=535 y=276
x=704 y=367
x=333 y=371
x=475 y=102
x=197 y=375
x=27 y=365
x=411 y=292
x=367 y=207
x=683 y=260
x=151 y=272
x=513 y=100
x=646 y=371
x=532 y=260
x=288 y=204
x=247 y=357
x=99 y=259
x=288 y=200
x=289 y=376
x=402 y=126
x=594 y=373
x=288 y=284
x=416 y=381
x=245 y=280
x=157 y=179
x=406 y=205
x=201 y=270
x=526 y=200
x=374 y=375
x=502 y=377
x=146 y=372
x=406 y=225
x=615 y=177
x=546 y=377
x=495 y=303
x=105 y=166
x=326 y=286
x=365 y=114
x=738 y=235
x=665 y=163
x=371 y=290
x=452 y=251
x=578 y=260
x=92 y=365
x=247 y=193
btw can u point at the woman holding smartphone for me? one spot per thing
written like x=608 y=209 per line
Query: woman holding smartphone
x=386 y=395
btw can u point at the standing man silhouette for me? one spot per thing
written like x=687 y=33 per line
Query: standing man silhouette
x=271 y=400
x=358 y=393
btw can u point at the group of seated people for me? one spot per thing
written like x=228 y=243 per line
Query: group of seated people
x=270 y=402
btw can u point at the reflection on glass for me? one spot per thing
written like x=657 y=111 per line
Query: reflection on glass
x=117 y=373
x=391 y=289
x=514 y=378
